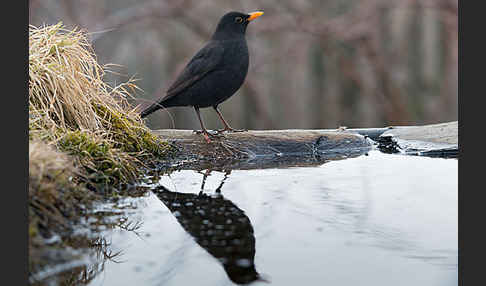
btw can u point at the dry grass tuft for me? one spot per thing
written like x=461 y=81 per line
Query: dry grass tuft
x=72 y=108
x=66 y=82
x=45 y=162
x=51 y=175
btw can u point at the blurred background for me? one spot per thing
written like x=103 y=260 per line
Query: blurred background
x=313 y=64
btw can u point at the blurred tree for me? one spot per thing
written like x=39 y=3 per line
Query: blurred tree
x=313 y=64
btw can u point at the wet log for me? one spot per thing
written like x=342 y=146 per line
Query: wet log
x=297 y=147
x=268 y=147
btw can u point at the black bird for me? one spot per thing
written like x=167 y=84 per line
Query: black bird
x=215 y=73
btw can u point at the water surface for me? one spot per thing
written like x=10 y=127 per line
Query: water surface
x=379 y=219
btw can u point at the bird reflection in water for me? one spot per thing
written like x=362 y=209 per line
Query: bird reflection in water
x=218 y=226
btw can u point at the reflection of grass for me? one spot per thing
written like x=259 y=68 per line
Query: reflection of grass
x=83 y=275
x=103 y=251
x=127 y=225
x=83 y=134
x=100 y=250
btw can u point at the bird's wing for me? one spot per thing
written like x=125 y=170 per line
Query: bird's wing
x=200 y=65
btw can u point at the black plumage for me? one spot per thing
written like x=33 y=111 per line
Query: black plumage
x=215 y=73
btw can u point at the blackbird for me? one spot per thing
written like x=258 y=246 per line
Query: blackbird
x=215 y=73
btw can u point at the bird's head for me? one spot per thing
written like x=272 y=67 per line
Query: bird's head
x=234 y=23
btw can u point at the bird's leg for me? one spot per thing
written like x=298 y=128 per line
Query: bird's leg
x=204 y=131
x=226 y=125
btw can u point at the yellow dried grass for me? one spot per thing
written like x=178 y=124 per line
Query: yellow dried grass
x=66 y=82
x=45 y=162
x=72 y=108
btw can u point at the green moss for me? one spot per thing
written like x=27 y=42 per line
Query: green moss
x=103 y=163
x=131 y=135
x=110 y=157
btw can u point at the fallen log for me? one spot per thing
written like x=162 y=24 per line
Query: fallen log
x=266 y=148
x=297 y=147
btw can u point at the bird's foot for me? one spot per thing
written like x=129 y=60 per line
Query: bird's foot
x=212 y=133
x=230 y=130
x=207 y=134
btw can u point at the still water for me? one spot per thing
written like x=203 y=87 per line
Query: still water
x=374 y=220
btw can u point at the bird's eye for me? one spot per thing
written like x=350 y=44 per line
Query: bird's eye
x=238 y=19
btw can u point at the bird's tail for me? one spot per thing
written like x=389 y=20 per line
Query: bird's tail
x=152 y=108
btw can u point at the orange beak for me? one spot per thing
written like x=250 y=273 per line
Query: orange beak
x=254 y=15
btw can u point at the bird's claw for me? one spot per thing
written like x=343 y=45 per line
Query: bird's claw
x=212 y=133
x=208 y=133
